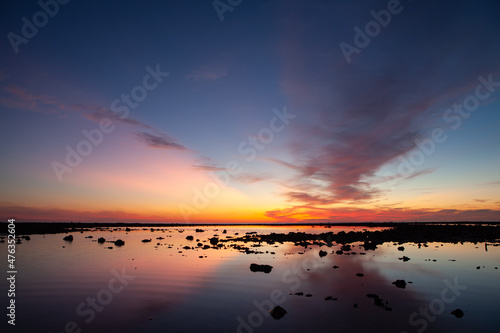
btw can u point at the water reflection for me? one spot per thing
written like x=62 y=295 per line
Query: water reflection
x=178 y=286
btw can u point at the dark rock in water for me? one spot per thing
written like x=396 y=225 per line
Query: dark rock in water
x=335 y=267
x=206 y=247
x=214 y=240
x=200 y=230
x=89 y=237
x=404 y=258
x=339 y=252
x=187 y=248
x=369 y=246
x=355 y=306
x=199 y=244
x=375 y=296
x=146 y=240
x=322 y=253
x=127 y=229
x=360 y=274
x=27 y=238
x=278 y=312
x=309 y=295
x=300 y=293
x=119 y=242
x=110 y=247
x=330 y=298
x=224 y=231
x=101 y=240
x=401 y=248
x=261 y=268
x=457 y=313
x=478 y=267
x=189 y=238
x=400 y=284
x=19 y=241
x=346 y=247
x=68 y=238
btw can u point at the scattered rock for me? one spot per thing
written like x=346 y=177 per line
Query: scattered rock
x=101 y=240
x=457 y=313
x=146 y=240
x=322 y=253
x=68 y=238
x=278 y=312
x=404 y=258
x=400 y=284
x=330 y=298
x=261 y=268
x=119 y=242
x=189 y=238
x=200 y=230
x=214 y=240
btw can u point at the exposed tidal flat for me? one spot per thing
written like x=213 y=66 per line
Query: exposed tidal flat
x=256 y=278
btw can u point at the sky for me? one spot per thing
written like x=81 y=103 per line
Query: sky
x=250 y=111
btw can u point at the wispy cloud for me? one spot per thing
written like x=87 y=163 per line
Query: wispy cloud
x=161 y=141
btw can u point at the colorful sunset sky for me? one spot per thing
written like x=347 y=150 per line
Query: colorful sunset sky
x=250 y=111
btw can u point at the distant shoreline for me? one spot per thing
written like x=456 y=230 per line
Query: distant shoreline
x=26 y=228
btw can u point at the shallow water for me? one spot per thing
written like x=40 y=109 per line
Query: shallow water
x=165 y=288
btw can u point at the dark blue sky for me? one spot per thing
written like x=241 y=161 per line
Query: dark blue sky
x=350 y=151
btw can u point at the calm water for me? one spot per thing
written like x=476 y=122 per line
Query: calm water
x=161 y=287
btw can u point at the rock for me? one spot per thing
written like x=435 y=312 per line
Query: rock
x=119 y=242
x=261 y=268
x=360 y=274
x=322 y=253
x=335 y=267
x=146 y=240
x=400 y=284
x=189 y=238
x=309 y=295
x=68 y=238
x=214 y=240
x=297 y=294
x=374 y=296
x=457 y=313
x=478 y=267
x=224 y=231
x=278 y=312
x=101 y=240
x=330 y=298
x=401 y=248
x=339 y=252
x=200 y=230
x=127 y=229
x=346 y=247
x=27 y=238
x=404 y=258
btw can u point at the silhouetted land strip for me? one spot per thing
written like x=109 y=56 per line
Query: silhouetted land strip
x=397 y=232
x=400 y=233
